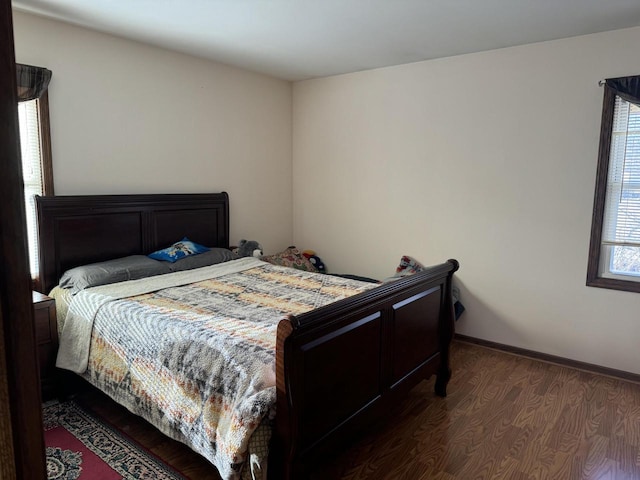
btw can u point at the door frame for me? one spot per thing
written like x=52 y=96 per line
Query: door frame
x=21 y=431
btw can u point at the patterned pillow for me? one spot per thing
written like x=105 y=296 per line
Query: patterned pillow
x=178 y=250
x=408 y=266
x=290 y=257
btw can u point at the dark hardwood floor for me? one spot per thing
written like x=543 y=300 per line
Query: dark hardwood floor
x=506 y=417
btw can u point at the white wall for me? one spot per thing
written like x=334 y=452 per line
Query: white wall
x=489 y=158
x=131 y=118
x=505 y=142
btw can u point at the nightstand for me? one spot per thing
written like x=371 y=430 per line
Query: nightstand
x=46 y=326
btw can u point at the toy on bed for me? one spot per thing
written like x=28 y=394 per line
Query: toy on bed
x=315 y=260
x=248 y=248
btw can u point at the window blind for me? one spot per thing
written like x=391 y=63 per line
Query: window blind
x=31 y=173
x=621 y=225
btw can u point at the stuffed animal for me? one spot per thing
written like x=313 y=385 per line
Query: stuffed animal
x=248 y=248
x=315 y=260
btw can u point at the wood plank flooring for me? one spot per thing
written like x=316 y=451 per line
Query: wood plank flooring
x=506 y=417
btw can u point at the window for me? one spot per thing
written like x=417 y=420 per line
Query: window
x=35 y=145
x=614 y=254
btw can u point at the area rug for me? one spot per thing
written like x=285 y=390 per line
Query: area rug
x=81 y=446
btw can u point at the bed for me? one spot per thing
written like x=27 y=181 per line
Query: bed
x=336 y=368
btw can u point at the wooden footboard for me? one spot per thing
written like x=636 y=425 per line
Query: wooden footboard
x=340 y=367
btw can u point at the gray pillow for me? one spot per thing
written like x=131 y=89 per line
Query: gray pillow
x=211 y=257
x=112 y=271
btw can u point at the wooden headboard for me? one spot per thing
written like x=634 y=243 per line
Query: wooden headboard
x=76 y=230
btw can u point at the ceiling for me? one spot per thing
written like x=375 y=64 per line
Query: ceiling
x=300 y=39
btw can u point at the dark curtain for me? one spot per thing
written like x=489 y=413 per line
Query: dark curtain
x=32 y=81
x=627 y=88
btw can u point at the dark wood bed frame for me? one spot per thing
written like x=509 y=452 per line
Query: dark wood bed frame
x=338 y=368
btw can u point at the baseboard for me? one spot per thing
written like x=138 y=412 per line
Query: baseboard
x=565 y=362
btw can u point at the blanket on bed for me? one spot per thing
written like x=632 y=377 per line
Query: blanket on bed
x=195 y=358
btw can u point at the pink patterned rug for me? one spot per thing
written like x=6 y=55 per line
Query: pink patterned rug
x=80 y=446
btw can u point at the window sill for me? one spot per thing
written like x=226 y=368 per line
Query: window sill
x=614 y=284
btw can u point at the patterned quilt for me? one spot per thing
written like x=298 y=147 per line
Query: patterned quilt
x=197 y=359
